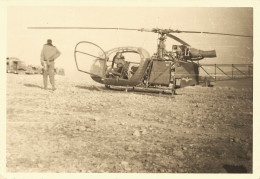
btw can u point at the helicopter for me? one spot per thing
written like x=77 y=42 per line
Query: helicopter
x=134 y=68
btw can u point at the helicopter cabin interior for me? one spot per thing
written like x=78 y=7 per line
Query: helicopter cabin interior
x=160 y=72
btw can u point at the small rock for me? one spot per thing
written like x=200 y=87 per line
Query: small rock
x=126 y=166
x=103 y=165
x=131 y=114
x=97 y=118
x=180 y=164
x=236 y=140
x=170 y=171
x=178 y=154
x=82 y=128
x=162 y=170
x=40 y=165
x=89 y=130
x=249 y=155
x=144 y=131
x=128 y=148
x=181 y=170
x=136 y=133
x=184 y=148
x=122 y=123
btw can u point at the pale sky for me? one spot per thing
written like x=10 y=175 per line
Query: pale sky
x=26 y=44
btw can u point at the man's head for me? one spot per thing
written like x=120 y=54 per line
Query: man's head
x=120 y=55
x=49 y=42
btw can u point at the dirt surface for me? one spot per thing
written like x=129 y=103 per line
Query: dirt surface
x=85 y=128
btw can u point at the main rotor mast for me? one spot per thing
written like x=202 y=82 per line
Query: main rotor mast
x=161 y=47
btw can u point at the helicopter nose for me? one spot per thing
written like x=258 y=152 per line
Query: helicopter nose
x=97 y=79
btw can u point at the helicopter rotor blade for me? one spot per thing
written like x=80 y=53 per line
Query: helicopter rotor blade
x=155 y=30
x=212 y=33
x=94 y=28
x=178 y=39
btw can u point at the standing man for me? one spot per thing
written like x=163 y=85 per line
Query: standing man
x=48 y=55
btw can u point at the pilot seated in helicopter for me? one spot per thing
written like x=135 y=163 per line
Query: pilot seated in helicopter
x=119 y=60
x=121 y=66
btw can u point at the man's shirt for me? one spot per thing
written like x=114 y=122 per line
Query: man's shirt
x=49 y=53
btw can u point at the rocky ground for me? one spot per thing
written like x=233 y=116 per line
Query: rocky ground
x=82 y=128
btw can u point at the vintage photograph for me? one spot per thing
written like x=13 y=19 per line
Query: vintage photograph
x=126 y=89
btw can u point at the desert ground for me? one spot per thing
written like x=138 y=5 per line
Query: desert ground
x=84 y=127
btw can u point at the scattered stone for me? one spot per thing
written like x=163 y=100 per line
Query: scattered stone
x=103 y=165
x=249 y=155
x=81 y=128
x=162 y=170
x=181 y=170
x=136 y=133
x=170 y=171
x=230 y=97
x=184 y=148
x=122 y=123
x=97 y=118
x=129 y=148
x=144 y=131
x=180 y=164
x=178 y=154
x=131 y=114
x=236 y=140
x=40 y=165
x=89 y=130
x=126 y=165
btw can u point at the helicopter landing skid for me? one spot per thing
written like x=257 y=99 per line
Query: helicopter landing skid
x=163 y=90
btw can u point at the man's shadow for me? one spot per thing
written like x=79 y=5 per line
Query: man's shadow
x=32 y=85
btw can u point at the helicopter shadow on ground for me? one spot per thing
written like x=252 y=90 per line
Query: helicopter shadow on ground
x=122 y=90
x=91 y=88
x=32 y=85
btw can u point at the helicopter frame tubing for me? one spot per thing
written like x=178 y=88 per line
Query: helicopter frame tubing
x=77 y=51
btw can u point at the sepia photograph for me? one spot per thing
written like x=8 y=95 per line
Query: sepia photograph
x=129 y=89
